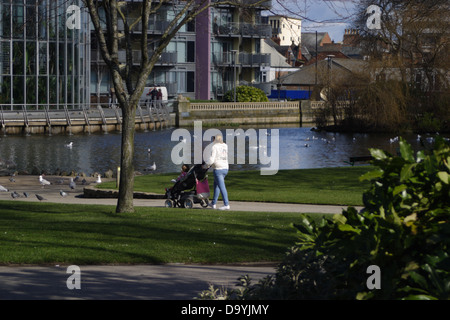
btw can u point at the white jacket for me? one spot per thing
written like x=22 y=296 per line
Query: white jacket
x=219 y=156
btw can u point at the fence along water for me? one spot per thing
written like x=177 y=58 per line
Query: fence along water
x=66 y=120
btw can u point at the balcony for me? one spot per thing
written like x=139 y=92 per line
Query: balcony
x=259 y=4
x=234 y=29
x=244 y=59
x=166 y=58
x=154 y=26
x=254 y=59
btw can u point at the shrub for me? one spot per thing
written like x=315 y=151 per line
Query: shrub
x=403 y=229
x=246 y=94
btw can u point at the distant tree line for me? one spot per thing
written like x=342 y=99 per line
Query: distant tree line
x=405 y=83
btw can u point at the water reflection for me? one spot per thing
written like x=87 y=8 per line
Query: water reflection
x=298 y=148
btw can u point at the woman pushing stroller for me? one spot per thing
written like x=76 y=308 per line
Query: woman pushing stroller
x=219 y=161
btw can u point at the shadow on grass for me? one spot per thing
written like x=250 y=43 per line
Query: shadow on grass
x=93 y=234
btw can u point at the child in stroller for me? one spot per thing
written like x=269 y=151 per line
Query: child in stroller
x=190 y=189
x=184 y=171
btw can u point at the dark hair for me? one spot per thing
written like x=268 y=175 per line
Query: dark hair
x=185 y=167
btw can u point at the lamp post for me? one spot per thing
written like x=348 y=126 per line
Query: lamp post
x=234 y=53
x=330 y=61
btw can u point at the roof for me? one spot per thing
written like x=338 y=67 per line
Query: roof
x=276 y=58
x=307 y=75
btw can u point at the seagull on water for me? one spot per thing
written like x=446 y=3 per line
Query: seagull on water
x=70 y=145
x=43 y=181
x=152 y=167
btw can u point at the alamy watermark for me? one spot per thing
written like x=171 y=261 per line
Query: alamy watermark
x=74 y=280
x=258 y=148
x=73 y=21
x=374 y=280
x=374 y=20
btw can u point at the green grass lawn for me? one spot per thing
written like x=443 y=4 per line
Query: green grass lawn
x=46 y=233
x=339 y=186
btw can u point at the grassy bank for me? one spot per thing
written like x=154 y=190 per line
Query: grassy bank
x=41 y=233
x=339 y=186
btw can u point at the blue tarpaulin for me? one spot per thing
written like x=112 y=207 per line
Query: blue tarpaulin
x=290 y=94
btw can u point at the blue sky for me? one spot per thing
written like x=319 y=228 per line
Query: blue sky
x=332 y=16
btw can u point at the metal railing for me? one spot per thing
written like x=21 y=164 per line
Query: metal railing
x=229 y=106
x=262 y=4
x=166 y=58
x=154 y=26
x=49 y=115
x=242 y=29
x=41 y=107
x=243 y=59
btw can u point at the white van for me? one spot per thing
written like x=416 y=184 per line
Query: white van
x=147 y=95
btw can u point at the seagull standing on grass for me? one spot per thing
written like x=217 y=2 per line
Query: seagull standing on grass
x=43 y=181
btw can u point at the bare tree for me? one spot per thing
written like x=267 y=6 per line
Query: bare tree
x=128 y=82
x=411 y=48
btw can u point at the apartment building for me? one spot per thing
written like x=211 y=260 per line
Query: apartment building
x=286 y=30
x=44 y=63
x=207 y=57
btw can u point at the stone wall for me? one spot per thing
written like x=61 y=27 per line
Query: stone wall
x=246 y=113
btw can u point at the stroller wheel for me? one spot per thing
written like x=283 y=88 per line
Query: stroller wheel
x=168 y=203
x=188 y=203
x=204 y=203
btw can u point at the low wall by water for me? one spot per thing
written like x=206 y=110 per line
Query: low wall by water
x=245 y=113
x=89 y=120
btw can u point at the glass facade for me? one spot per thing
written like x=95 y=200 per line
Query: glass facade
x=43 y=61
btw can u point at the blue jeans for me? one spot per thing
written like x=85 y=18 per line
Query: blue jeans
x=219 y=186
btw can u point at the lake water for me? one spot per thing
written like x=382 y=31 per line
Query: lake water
x=299 y=147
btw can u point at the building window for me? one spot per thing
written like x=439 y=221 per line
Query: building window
x=36 y=66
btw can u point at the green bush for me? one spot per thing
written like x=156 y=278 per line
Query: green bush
x=403 y=229
x=246 y=94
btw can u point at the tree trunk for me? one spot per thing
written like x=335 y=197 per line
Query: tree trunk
x=126 y=186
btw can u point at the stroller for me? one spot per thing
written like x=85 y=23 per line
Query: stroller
x=192 y=188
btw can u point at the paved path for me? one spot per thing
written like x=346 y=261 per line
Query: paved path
x=132 y=282
x=155 y=282
x=31 y=185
